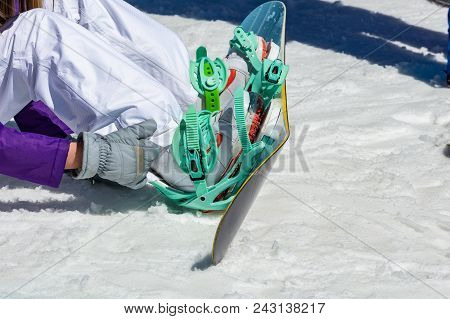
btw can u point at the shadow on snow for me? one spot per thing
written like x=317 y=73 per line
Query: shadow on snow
x=331 y=26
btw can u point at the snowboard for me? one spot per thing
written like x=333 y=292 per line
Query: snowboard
x=268 y=21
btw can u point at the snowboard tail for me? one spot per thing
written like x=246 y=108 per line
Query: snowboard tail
x=268 y=21
x=245 y=198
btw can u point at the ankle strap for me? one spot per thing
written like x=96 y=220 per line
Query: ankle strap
x=208 y=78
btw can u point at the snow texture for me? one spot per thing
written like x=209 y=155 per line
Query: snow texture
x=368 y=218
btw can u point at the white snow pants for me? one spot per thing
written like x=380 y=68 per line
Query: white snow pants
x=99 y=64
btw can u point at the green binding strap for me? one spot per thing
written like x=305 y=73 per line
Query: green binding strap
x=269 y=81
x=246 y=44
x=208 y=78
x=267 y=77
x=193 y=144
x=226 y=187
x=194 y=147
x=239 y=115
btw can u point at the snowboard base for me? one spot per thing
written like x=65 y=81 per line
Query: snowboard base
x=268 y=21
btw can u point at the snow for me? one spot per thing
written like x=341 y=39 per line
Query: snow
x=369 y=219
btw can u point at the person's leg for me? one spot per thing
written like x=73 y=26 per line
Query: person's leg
x=87 y=84
x=67 y=8
x=152 y=46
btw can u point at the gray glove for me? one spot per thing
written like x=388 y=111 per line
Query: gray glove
x=123 y=157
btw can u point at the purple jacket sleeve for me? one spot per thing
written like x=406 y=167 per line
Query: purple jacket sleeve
x=36 y=117
x=32 y=157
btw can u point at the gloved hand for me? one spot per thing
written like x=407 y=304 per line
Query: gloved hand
x=123 y=157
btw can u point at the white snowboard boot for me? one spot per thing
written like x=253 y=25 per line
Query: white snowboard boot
x=223 y=122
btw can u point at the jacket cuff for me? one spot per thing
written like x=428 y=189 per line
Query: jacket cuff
x=57 y=171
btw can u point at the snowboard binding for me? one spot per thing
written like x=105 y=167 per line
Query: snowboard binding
x=267 y=76
x=195 y=146
x=208 y=78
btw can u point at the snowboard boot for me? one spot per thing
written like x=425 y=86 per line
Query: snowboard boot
x=223 y=123
x=215 y=150
x=240 y=69
x=240 y=66
x=220 y=144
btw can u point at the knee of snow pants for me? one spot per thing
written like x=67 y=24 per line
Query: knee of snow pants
x=89 y=85
x=152 y=46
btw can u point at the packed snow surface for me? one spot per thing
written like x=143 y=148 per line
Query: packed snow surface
x=357 y=206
